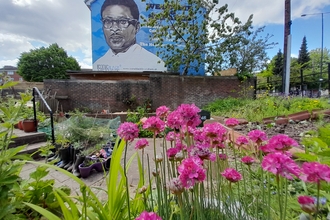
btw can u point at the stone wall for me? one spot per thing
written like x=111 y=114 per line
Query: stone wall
x=96 y=95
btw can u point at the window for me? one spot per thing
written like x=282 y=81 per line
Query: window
x=10 y=72
x=21 y=79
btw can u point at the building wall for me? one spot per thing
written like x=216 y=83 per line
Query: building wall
x=11 y=72
x=96 y=95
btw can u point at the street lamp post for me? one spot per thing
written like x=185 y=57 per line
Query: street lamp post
x=322 y=33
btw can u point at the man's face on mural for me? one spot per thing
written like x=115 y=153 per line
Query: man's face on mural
x=119 y=27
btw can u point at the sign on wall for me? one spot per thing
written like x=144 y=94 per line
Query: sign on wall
x=119 y=41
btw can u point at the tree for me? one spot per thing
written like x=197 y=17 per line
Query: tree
x=249 y=54
x=303 y=57
x=315 y=56
x=278 y=65
x=196 y=29
x=45 y=63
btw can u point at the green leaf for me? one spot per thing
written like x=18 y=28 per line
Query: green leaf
x=42 y=211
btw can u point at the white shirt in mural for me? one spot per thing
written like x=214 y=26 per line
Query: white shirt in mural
x=135 y=59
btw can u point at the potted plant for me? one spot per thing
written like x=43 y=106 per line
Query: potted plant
x=89 y=164
x=28 y=123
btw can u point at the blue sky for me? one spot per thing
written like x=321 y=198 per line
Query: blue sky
x=309 y=26
x=28 y=24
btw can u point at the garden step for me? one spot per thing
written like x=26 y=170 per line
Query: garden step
x=23 y=138
x=32 y=148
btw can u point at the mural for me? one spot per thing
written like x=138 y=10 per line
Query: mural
x=119 y=41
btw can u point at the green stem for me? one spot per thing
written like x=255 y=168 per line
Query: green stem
x=279 y=195
x=318 y=199
x=126 y=180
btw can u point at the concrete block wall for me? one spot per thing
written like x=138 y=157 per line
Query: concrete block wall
x=96 y=95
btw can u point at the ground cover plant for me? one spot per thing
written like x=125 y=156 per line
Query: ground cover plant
x=203 y=173
x=254 y=110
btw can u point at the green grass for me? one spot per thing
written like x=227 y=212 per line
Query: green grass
x=257 y=109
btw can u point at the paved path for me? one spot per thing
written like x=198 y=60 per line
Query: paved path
x=98 y=179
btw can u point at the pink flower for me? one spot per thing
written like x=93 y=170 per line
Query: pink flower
x=257 y=136
x=231 y=175
x=280 y=164
x=191 y=171
x=154 y=124
x=307 y=204
x=315 y=172
x=242 y=140
x=142 y=143
x=231 y=122
x=174 y=120
x=148 y=216
x=189 y=115
x=281 y=142
x=175 y=186
x=171 y=136
x=216 y=133
x=201 y=151
x=223 y=156
x=162 y=112
x=247 y=160
x=128 y=131
x=171 y=152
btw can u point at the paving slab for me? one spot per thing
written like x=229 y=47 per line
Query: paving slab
x=97 y=179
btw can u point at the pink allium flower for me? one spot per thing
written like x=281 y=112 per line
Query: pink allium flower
x=223 y=156
x=242 y=140
x=175 y=186
x=257 y=136
x=171 y=152
x=280 y=164
x=201 y=151
x=212 y=157
x=231 y=122
x=128 y=131
x=231 y=175
x=189 y=115
x=307 y=204
x=154 y=124
x=315 y=172
x=162 y=111
x=248 y=160
x=142 y=143
x=281 y=142
x=216 y=134
x=174 y=120
x=171 y=136
x=191 y=170
x=148 y=216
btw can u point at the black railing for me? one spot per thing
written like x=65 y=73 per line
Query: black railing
x=34 y=91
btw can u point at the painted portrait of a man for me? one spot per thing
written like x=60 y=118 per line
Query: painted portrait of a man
x=120 y=25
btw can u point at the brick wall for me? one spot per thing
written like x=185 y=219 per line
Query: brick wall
x=96 y=95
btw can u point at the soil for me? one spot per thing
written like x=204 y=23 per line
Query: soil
x=295 y=130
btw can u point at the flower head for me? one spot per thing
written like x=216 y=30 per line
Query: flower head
x=281 y=142
x=257 y=136
x=128 y=131
x=231 y=175
x=223 y=156
x=216 y=133
x=241 y=140
x=142 y=143
x=307 y=204
x=231 y=122
x=148 y=216
x=280 y=164
x=247 y=160
x=162 y=112
x=154 y=124
x=315 y=172
x=171 y=152
x=175 y=186
x=191 y=171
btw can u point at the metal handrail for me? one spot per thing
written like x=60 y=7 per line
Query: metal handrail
x=36 y=90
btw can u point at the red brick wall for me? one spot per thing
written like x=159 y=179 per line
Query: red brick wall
x=96 y=95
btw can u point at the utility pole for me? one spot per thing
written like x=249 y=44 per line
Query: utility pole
x=287 y=32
